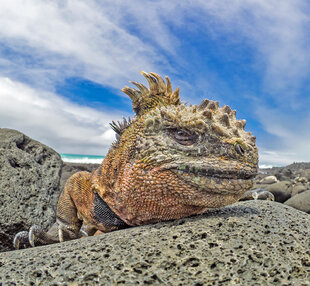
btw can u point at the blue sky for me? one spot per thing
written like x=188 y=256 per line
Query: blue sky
x=63 y=63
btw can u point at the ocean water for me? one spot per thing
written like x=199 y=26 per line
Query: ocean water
x=77 y=158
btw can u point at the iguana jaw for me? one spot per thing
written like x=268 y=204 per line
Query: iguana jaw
x=215 y=184
x=205 y=177
x=201 y=171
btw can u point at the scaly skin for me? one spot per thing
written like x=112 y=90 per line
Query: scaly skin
x=171 y=161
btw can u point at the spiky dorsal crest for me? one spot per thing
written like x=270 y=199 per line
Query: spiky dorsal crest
x=158 y=94
x=119 y=128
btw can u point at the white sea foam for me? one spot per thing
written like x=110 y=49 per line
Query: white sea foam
x=266 y=166
x=85 y=159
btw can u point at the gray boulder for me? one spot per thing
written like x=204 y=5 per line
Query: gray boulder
x=269 y=180
x=299 y=188
x=306 y=174
x=249 y=243
x=302 y=180
x=29 y=184
x=68 y=169
x=300 y=202
x=282 y=190
x=284 y=174
x=257 y=194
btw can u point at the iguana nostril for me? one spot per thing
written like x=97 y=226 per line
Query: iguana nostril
x=239 y=149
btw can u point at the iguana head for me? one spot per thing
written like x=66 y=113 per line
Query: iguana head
x=180 y=159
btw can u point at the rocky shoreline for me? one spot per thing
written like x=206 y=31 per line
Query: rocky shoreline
x=249 y=243
x=290 y=185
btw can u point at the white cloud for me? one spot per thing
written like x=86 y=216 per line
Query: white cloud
x=276 y=158
x=63 y=125
x=96 y=41
x=109 y=42
x=72 y=38
x=292 y=133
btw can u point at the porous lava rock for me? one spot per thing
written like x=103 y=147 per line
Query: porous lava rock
x=249 y=243
x=29 y=184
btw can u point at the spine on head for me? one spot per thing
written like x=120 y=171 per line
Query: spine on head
x=159 y=94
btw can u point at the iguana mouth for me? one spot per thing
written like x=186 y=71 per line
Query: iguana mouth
x=214 y=172
x=212 y=180
x=198 y=171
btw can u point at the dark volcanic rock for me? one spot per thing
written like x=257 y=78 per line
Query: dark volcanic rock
x=257 y=194
x=297 y=189
x=250 y=243
x=300 y=201
x=29 y=184
x=288 y=172
x=285 y=174
x=306 y=174
x=68 y=169
x=282 y=191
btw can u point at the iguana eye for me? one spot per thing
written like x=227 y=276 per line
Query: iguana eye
x=183 y=137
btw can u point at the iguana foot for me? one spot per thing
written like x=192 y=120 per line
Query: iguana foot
x=36 y=236
x=257 y=194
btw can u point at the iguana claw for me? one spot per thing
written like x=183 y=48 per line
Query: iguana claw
x=60 y=235
x=36 y=236
x=34 y=231
x=20 y=238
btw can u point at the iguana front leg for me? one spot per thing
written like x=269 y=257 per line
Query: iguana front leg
x=73 y=205
x=80 y=212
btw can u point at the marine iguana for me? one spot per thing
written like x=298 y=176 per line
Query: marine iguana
x=172 y=160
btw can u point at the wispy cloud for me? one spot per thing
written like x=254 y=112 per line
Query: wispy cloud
x=53 y=120
x=277 y=32
x=291 y=133
x=111 y=42
x=72 y=38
